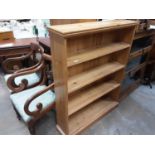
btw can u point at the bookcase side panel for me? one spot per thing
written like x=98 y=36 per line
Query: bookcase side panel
x=59 y=67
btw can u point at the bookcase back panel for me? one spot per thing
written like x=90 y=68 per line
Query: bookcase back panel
x=114 y=95
x=120 y=56
x=87 y=65
x=80 y=44
x=87 y=115
x=126 y=35
x=115 y=77
x=91 y=93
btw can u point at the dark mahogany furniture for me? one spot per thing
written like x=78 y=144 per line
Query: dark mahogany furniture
x=28 y=77
x=15 y=47
x=136 y=70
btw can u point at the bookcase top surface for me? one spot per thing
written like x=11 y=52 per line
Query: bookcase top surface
x=89 y=27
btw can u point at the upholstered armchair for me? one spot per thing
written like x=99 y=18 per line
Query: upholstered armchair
x=31 y=104
x=31 y=98
x=28 y=77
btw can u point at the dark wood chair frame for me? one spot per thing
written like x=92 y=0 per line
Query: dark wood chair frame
x=39 y=67
x=40 y=112
x=34 y=48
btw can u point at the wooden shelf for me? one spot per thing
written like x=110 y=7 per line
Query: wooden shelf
x=96 y=53
x=88 y=62
x=89 y=95
x=135 y=54
x=88 y=115
x=144 y=34
x=81 y=80
x=147 y=49
x=140 y=52
x=136 y=68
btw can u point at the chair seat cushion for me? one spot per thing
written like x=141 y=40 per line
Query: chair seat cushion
x=20 y=98
x=31 y=78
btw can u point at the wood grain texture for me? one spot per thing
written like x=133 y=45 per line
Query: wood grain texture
x=88 y=115
x=95 y=53
x=88 y=65
x=59 y=66
x=140 y=52
x=144 y=34
x=90 y=27
x=69 y=21
x=89 y=95
x=141 y=68
x=79 y=81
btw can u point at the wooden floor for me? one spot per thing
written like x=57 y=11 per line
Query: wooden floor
x=135 y=115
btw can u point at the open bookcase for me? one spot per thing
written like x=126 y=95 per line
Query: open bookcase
x=88 y=67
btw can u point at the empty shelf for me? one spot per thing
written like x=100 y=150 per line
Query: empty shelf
x=96 y=53
x=139 y=52
x=89 y=95
x=136 y=54
x=83 y=79
x=82 y=119
x=136 y=68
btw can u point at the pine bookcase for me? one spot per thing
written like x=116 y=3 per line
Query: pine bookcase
x=88 y=67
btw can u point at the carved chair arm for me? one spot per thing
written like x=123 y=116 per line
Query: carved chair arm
x=39 y=106
x=32 y=67
x=39 y=50
x=9 y=60
x=24 y=83
x=28 y=68
x=35 y=48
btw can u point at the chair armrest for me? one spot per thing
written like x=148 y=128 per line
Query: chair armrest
x=47 y=57
x=39 y=50
x=28 y=68
x=24 y=83
x=8 y=60
x=32 y=67
x=39 y=106
x=35 y=48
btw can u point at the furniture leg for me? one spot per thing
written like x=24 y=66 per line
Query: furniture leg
x=31 y=129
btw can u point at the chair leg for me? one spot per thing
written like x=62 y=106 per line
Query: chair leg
x=147 y=81
x=31 y=129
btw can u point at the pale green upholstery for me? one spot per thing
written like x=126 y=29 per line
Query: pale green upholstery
x=20 y=98
x=31 y=78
